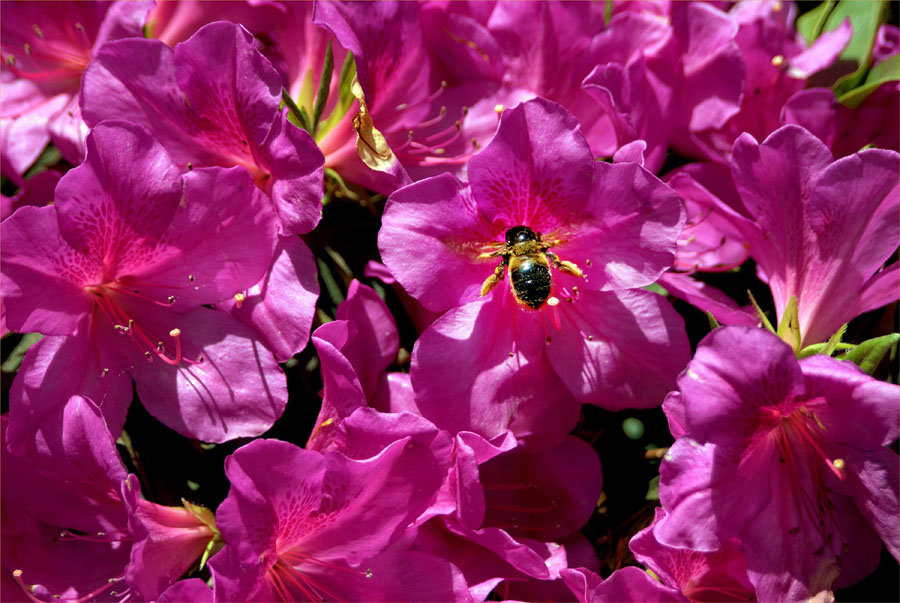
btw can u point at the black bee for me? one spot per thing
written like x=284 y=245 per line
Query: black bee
x=529 y=269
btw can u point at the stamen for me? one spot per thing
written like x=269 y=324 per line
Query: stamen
x=239 y=299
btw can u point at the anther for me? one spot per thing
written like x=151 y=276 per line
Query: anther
x=590 y=338
x=575 y=290
x=105 y=371
x=569 y=299
x=239 y=299
x=10 y=60
x=160 y=346
x=369 y=573
x=191 y=278
x=171 y=299
x=512 y=354
x=190 y=166
x=587 y=262
x=777 y=60
x=148 y=356
x=498 y=108
x=838 y=464
x=553 y=301
x=38 y=32
x=79 y=26
x=28 y=49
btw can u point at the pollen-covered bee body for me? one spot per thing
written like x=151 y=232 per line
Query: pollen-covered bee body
x=528 y=259
x=529 y=277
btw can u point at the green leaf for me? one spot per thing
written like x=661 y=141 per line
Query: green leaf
x=653 y=489
x=301 y=119
x=324 y=88
x=12 y=362
x=886 y=71
x=713 y=323
x=810 y=24
x=866 y=18
x=819 y=348
x=868 y=354
x=48 y=157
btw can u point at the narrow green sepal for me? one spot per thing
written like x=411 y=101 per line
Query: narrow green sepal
x=713 y=323
x=301 y=119
x=835 y=339
x=762 y=315
x=208 y=518
x=789 y=327
x=868 y=354
x=324 y=88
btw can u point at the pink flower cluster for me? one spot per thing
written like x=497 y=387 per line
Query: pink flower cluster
x=552 y=191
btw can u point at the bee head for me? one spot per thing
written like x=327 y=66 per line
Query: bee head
x=520 y=234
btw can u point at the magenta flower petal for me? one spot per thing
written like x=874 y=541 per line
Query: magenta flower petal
x=236 y=390
x=625 y=584
x=291 y=520
x=36 y=297
x=281 y=305
x=194 y=590
x=544 y=186
x=603 y=358
x=126 y=188
x=626 y=228
x=439 y=219
x=55 y=369
x=821 y=235
x=495 y=384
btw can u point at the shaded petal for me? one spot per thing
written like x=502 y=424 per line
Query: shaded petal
x=297 y=169
x=859 y=410
x=625 y=234
x=623 y=585
x=877 y=497
x=56 y=368
x=600 y=352
x=237 y=390
x=708 y=299
x=193 y=590
x=221 y=242
x=708 y=500
x=281 y=306
x=500 y=371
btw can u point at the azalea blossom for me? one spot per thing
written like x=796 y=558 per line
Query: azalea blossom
x=617 y=223
x=44 y=53
x=116 y=273
x=74 y=522
x=767 y=452
x=292 y=526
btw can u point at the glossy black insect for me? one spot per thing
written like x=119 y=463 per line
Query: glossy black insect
x=528 y=259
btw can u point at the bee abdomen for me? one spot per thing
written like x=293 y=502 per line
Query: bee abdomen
x=530 y=281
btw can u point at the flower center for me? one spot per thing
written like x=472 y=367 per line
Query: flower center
x=287 y=577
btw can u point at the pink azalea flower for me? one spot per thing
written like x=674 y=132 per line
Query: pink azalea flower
x=45 y=50
x=818 y=229
x=821 y=229
x=791 y=457
x=212 y=109
x=75 y=525
x=116 y=274
x=302 y=525
x=618 y=223
x=777 y=64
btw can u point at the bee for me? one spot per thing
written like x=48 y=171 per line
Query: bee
x=527 y=257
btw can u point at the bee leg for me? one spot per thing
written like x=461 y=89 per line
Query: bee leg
x=567 y=267
x=491 y=281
